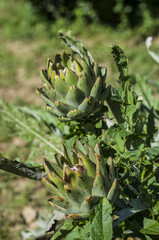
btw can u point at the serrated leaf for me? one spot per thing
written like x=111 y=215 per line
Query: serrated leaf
x=121 y=63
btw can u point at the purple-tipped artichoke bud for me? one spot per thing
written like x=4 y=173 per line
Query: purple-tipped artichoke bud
x=74 y=85
x=78 y=183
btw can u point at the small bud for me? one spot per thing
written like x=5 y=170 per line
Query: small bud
x=140 y=98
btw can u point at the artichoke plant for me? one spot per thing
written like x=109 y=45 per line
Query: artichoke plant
x=74 y=84
x=78 y=180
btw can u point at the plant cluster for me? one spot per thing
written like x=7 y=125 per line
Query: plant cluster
x=117 y=13
x=105 y=180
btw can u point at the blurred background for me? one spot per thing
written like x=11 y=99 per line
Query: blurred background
x=28 y=37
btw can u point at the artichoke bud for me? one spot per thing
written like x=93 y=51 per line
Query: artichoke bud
x=79 y=181
x=73 y=79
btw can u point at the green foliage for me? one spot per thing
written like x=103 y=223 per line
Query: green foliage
x=23 y=17
x=118 y=13
x=127 y=132
x=72 y=231
x=27 y=123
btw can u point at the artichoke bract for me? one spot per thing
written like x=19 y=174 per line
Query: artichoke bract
x=78 y=180
x=74 y=85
